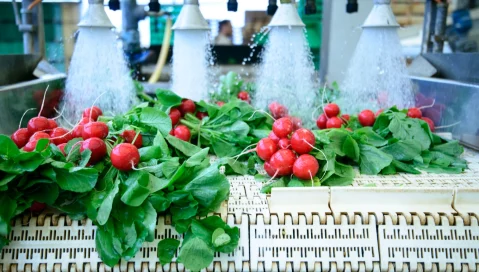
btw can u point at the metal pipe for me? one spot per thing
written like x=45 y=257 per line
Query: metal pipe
x=428 y=28
x=131 y=15
x=27 y=27
x=440 y=27
x=272 y=7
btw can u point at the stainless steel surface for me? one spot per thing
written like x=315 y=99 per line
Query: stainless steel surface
x=190 y=17
x=381 y=15
x=286 y=16
x=462 y=67
x=95 y=16
x=17 y=68
x=455 y=106
x=17 y=98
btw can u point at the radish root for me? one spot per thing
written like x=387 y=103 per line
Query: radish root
x=262 y=111
x=21 y=119
x=43 y=102
x=96 y=99
x=448 y=126
x=428 y=106
x=326 y=158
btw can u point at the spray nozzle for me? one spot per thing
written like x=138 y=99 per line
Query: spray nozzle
x=352 y=6
x=114 y=4
x=232 y=5
x=154 y=6
x=310 y=7
x=272 y=7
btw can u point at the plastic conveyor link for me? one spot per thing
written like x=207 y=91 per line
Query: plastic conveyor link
x=57 y=244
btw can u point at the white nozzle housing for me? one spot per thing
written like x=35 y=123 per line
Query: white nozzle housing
x=95 y=16
x=287 y=15
x=190 y=17
x=381 y=15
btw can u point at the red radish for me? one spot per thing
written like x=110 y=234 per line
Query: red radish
x=277 y=110
x=77 y=131
x=349 y=129
x=84 y=121
x=273 y=137
x=282 y=162
x=303 y=141
x=220 y=103
x=62 y=148
x=95 y=129
x=125 y=156
x=297 y=123
x=172 y=132
x=92 y=113
x=284 y=143
x=21 y=137
x=331 y=110
x=52 y=124
x=367 y=118
x=182 y=132
x=429 y=122
x=39 y=135
x=321 y=122
x=57 y=134
x=97 y=148
x=414 y=113
x=129 y=136
x=269 y=169
x=175 y=116
x=266 y=148
x=345 y=117
x=200 y=115
x=244 y=95
x=283 y=127
x=305 y=167
x=334 y=122
x=187 y=106
x=37 y=207
x=38 y=124
x=30 y=146
x=379 y=112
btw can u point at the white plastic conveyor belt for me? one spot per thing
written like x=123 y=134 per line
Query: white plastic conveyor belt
x=427 y=222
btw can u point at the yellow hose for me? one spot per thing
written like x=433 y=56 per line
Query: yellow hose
x=163 y=54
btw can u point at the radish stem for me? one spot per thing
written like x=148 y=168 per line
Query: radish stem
x=448 y=126
x=428 y=106
x=43 y=102
x=21 y=119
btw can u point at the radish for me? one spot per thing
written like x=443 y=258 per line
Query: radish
x=172 y=132
x=97 y=148
x=331 y=110
x=345 y=117
x=297 y=123
x=175 y=116
x=60 y=136
x=77 y=131
x=334 y=122
x=38 y=124
x=84 y=121
x=379 y=112
x=220 y=103
x=282 y=162
x=95 y=129
x=303 y=141
x=52 y=124
x=62 y=148
x=429 y=122
x=273 y=137
x=305 y=167
x=414 y=113
x=130 y=135
x=30 y=146
x=367 y=118
x=269 y=169
x=21 y=137
x=321 y=122
x=266 y=148
x=283 y=127
x=39 y=135
x=200 y=115
x=125 y=157
x=277 y=110
x=284 y=143
x=244 y=95
x=187 y=106
x=92 y=113
x=182 y=132
x=37 y=207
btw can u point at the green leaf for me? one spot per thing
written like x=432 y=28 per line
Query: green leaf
x=220 y=238
x=105 y=248
x=405 y=167
x=238 y=128
x=214 y=222
x=167 y=249
x=150 y=152
x=168 y=98
x=197 y=158
x=85 y=157
x=295 y=183
x=157 y=184
x=138 y=191
x=389 y=170
x=79 y=181
x=335 y=180
x=406 y=150
x=169 y=167
x=8 y=148
x=107 y=203
x=160 y=142
x=42 y=144
x=209 y=187
x=159 y=202
x=410 y=129
x=45 y=193
x=366 y=135
x=185 y=211
x=350 y=148
x=149 y=222
x=452 y=148
x=6 y=179
x=156 y=118
x=7 y=212
x=266 y=189
x=373 y=160
x=184 y=147
x=224 y=149
x=337 y=138
x=195 y=254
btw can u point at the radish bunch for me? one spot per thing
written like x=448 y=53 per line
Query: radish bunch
x=285 y=150
x=176 y=114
